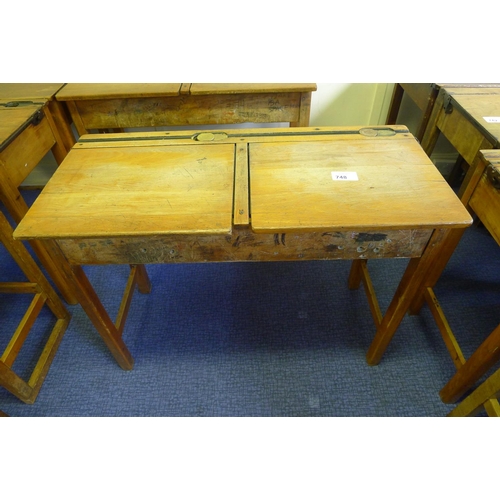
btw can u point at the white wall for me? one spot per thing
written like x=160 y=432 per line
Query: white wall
x=338 y=104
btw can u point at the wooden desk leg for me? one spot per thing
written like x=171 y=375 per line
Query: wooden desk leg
x=450 y=242
x=485 y=394
x=75 y=116
x=485 y=356
x=355 y=275
x=397 y=97
x=414 y=278
x=432 y=131
x=472 y=177
x=60 y=123
x=143 y=283
x=94 y=309
x=304 y=111
x=17 y=208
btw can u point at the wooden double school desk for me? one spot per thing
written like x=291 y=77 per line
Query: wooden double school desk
x=118 y=106
x=249 y=195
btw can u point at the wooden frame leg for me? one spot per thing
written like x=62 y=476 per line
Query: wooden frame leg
x=485 y=356
x=485 y=395
x=397 y=97
x=432 y=131
x=43 y=295
x=412 y=282
x=11 y=197
x=447 y=247
x=110 y=332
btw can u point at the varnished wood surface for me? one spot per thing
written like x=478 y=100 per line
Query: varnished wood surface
x=473 y=403
x=477 y=104
x=178 y=184
x=83 y=91
x=485 y=200
x=292 y=188
x=28 y=91
x=249 y=88
x=137 y=190
x=12 y=120
x=44 y=294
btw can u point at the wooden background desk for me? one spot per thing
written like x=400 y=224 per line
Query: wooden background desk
x=55 y=113
x=249 y=195
x=463 y=116
x=26 y=135
x=123 y=105
x=424 y=96
x=484 y=200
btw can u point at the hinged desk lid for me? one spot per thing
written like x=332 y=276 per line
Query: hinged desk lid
x=482 y=105
x=28 y=91
x=135 y=191
x=82 y=91
x=348 y=182
x=249 y=88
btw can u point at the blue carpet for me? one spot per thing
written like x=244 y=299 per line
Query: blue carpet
x=259 y=339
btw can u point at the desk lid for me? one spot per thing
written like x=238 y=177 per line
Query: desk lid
x=28 y=91
x=144 y=190
x=185 y=182
x=89 y=91
x=483 y=107
x=249 y=88
x=348 y=183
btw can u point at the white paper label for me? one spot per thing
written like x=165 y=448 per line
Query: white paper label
x=345 y=176
x=492 y=119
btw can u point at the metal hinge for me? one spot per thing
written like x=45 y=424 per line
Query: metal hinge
x=447 y=105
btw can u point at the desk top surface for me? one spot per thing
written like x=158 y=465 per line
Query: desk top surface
x=28 y=91
x=88 y=91
x=482 y=106
x=147 y=184
x=492 y=156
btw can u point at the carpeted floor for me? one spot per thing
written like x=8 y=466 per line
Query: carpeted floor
x=259 y=339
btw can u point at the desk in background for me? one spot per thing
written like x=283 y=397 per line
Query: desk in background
x=102 y=106
x=27 y=134
x=19 y=94
x=484 y=200
x=249 y=195
x=424 y=96
x=470 y=119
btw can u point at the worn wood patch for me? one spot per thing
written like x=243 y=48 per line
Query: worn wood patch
x=244 y=245
x=190 y=110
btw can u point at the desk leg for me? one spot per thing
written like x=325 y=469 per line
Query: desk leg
x=61 y=127
x=397 y=97
x=485 y=356
x=91 y=304
x=450 y=242
x=75 y=116
x=304 y=111
x=17 y=208
x=432 y=131
x=414 y=278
